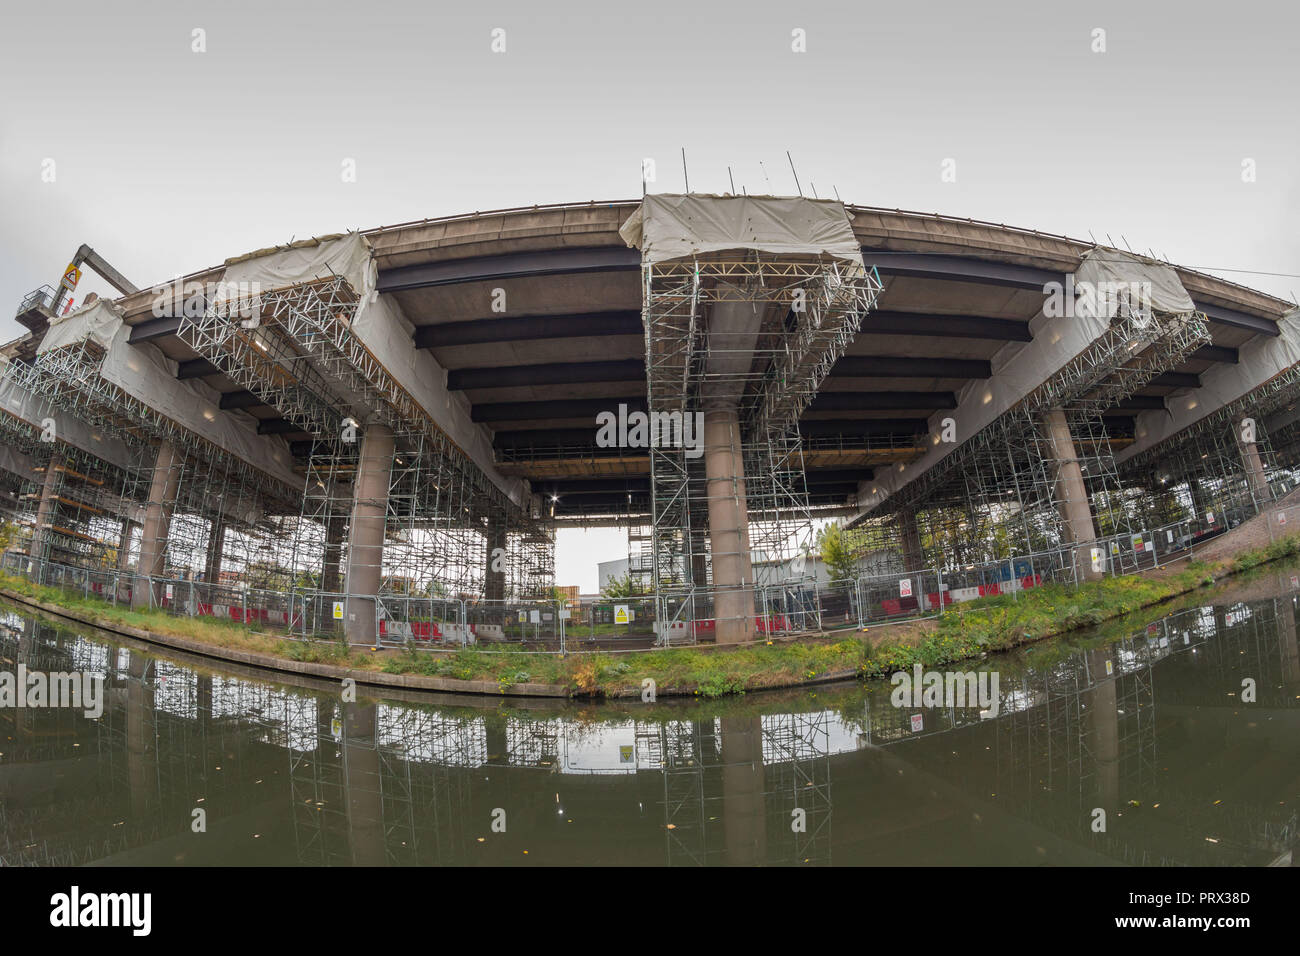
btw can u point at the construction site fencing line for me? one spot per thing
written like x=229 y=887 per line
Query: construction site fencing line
x=648 y=621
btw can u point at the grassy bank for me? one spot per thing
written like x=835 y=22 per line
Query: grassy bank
x=963 y=632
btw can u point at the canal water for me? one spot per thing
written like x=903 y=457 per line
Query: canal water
x=1167 y=740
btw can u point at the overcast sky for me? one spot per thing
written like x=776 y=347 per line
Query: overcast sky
x=167 y=160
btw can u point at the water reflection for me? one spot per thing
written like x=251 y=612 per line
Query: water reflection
x=1151 y=728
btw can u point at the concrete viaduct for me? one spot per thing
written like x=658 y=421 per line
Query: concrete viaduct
x=490 y=342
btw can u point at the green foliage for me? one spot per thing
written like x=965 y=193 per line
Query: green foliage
x=8 y=535
x=837 y=551
x=623 y=587
x=720 y=685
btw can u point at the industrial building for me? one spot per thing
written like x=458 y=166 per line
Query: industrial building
x=379 y=432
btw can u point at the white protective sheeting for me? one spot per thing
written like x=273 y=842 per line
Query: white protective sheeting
x=97 y=323
x=347 y=256
x=37 y=409
x=384 y=330
x=673 y=226
x=1103 y=271
x=1259 y=360
x=1017 y=371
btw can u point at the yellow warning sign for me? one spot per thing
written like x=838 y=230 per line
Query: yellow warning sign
x=620 y=614
x=338 y=610
x=71 y=276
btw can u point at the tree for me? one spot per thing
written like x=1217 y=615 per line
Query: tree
x=623 y=587
x=837 y=551
x=8 y=534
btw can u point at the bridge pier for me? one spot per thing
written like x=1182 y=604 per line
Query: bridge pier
x=45 y=510
x=733 y=574
x=366 y=533
x=1071 y=492
x=163 y=489
x=733 y=327
x=1253 y=464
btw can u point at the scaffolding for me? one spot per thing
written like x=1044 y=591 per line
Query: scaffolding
x=773 y=381
x=796 y=754
x=217 y=509
x=444 y=520
x=69 y=505
x=1004 y=494
x=1206 y=466
x=693 y=801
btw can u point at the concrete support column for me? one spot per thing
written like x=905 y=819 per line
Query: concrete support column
x=46 y=510
x=733 y=576
x=1071 y=493
x=1253 y=465
x=366 y=533
x=216 y=545
x=494 y=577
x=157 y=520
x=913 y=554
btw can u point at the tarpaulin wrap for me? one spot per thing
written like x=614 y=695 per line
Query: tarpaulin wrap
x=347 y=256
x=382 y=328
x=673 y=226
x=97 y=323
x=1110 y=269
x=1258 y=361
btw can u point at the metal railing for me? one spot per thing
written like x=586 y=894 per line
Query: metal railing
x=45 y=297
